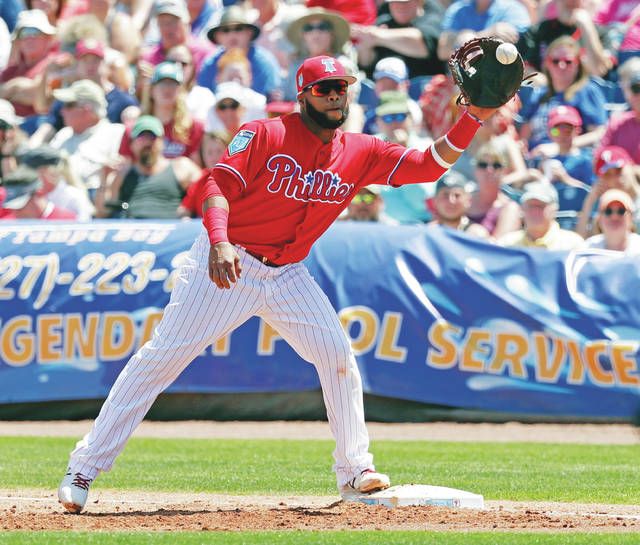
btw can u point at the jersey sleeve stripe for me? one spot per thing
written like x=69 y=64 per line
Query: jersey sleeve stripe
x=397 y=165
x=231 y=169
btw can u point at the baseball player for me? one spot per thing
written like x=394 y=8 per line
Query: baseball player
x=281 y=183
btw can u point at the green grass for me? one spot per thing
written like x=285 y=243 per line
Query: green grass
x=507 y=471
x=313 y=538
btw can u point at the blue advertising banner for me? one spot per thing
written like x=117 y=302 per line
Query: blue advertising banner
x=434 y=316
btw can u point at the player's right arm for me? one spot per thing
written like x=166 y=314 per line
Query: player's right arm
x=224 y=263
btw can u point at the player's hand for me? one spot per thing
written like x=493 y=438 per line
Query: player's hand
x=224 y=265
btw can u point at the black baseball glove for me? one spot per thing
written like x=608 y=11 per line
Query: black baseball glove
x=482 y=79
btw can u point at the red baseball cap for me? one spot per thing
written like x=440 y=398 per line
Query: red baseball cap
x=564 y=114
x=611 y=157
x=317 y=69
x=89 y=46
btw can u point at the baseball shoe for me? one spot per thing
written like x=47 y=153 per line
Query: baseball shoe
x=73 y=491
x=367 y=482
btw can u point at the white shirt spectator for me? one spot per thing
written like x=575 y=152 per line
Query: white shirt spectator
x=633 y=244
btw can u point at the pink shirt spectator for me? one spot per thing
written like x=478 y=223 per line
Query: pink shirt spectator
x=619 y=11
x=200 y=50
x=624 y=130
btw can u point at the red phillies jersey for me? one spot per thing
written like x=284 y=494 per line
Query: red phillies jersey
x=285 y=187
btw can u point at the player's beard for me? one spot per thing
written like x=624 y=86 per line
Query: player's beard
x=324 y=120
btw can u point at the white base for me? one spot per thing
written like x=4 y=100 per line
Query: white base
x=420 y=494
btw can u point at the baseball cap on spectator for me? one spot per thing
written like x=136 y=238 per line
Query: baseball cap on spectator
x=391 y=67
x=539 y=191
x=89 y=46
x=19 y=185
x=42 y=156
x=167 y=70
x=315 y=69
x=33 y=18
x=231 y=90
x=393 y=102
x=611 y=157
x=8 y=113
x=339 y=27
x=83 y=90
x=233 y=16
x=564 y=114
x=177 y=8
x=616 y=195
x=451 y=179
x=147 y=123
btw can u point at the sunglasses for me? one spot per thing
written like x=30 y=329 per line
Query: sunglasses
x=4 y=126
x=69 y=105
x=367 y=198
x=566 y=61
x=635 y=88
x=324 y=26
x=617 y=211
x=324 y=88
x=484 y=165
x=181 y=63
x=227 y=29
x=390 y=118
x=228 y=106
x=29 y=32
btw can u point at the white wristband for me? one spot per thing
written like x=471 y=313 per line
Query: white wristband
x=454 y=148
x=438 y=159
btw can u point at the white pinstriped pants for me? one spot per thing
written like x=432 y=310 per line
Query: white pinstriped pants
x=198 y=314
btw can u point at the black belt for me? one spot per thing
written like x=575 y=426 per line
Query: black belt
x=264 y=260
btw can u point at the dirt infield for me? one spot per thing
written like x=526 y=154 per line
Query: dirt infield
x=141 y=511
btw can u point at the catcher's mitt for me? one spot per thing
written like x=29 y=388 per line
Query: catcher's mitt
x=482 y=79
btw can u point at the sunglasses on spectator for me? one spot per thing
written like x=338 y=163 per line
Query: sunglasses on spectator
x=233 y=105
x=390 y=118
x=69 y=105
x=324 y=88
x=181 y=63
x=29 y=32
x=484 y=165
x=617 y=211
x=235 y=28
x=367 y=198
x=635 y=88
x=567 y=61
x=324 y=26
x=4 y=126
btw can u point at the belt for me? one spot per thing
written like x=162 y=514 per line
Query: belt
x=264 y=260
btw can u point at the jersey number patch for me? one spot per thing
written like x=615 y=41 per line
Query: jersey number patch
x=240 y=141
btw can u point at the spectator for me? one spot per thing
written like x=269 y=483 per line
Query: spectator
x=623 y=129
x=451 y=202
x=61 y=186
x=273 y=17
x=613 y=168
x=622 y=19
x=153 y=186
x=569 y=84
x=10 y=137
x=90 y=140
x=541 y=230
x=165 y=98
x=368 y=205
x=490 y=207
x=505 y=19
x=317 y=32
x=213 y=147
x=395 y=122
x=24 y=199
x=34 y=47
x=391 y=74
x=410 y=30
x=90 y=65
x=173 y=19
x=203 y=14
x=199 y=99
x=234 y=106
x=362 y=12
x=235 y=31
x=615 y=220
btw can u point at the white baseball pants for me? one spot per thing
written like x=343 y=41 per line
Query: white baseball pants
x=197 y=315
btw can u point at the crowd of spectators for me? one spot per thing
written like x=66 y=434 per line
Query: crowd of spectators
x=116 y=109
